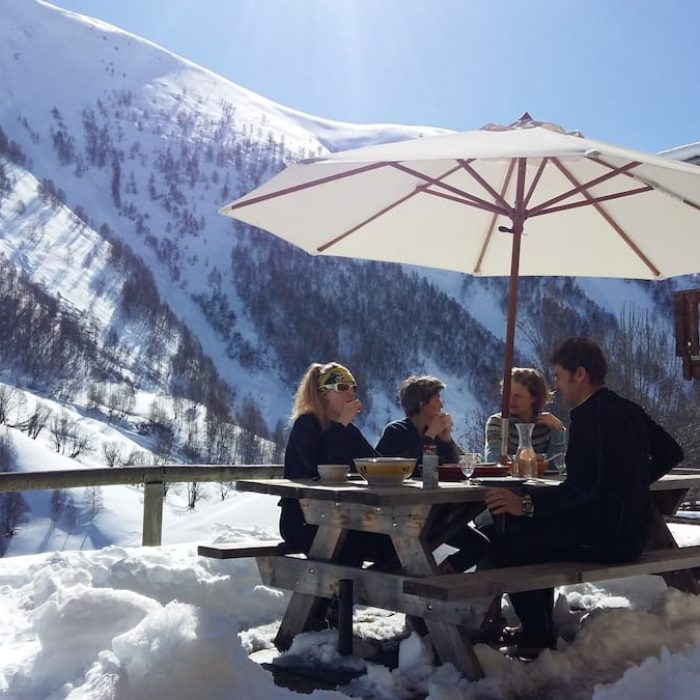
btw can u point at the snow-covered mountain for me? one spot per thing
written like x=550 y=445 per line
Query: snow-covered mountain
x=144 y=147
x=116 y=155
x=139 y=326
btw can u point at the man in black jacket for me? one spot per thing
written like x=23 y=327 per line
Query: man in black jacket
x=602 y=511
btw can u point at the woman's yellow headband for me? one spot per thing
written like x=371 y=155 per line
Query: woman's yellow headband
x=333 y=373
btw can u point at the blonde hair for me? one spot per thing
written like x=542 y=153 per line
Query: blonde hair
x=308 y=398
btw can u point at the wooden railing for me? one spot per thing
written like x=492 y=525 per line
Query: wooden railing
x=152 y=478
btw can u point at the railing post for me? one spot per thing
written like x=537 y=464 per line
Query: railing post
x=152 y=513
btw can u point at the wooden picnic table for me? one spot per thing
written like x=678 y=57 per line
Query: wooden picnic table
x=405 y=513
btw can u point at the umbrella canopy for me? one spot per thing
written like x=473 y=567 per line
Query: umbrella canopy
x=527 y=199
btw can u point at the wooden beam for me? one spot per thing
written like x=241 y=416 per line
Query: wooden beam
x=532 y=577
x=106 y=476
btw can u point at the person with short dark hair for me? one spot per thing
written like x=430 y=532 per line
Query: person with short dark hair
x=602 y=511
x=582 y=352
x=529 y=394
x=426 y=423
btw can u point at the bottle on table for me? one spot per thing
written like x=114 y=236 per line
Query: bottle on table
x=430 y=466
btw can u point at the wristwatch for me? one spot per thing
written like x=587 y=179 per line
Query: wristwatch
x=528 y=506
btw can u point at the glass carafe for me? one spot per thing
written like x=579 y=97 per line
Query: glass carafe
x=525 y=457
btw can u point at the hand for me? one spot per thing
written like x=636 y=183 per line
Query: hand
x=550 y=420
x=500 y=501
x=440 y=427
x=349 y=411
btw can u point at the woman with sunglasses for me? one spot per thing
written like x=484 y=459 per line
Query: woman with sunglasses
x=324 y=408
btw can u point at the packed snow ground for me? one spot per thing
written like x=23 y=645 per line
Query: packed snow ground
x=162 y=623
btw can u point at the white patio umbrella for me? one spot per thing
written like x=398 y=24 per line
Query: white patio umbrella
x=527 y=199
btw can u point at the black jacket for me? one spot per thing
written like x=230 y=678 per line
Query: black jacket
x=402 y=439
x=310 y=445
x=615 y=452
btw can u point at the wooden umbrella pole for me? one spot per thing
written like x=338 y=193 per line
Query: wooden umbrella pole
x=518 y=219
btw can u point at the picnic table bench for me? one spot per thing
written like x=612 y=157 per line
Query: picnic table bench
x=417 y=588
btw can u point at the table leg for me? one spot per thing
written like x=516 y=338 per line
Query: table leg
x=303 y=608
x=451 y=642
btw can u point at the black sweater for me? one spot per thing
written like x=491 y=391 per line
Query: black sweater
x=310 y=445
x=402 y=439
x=615 y=452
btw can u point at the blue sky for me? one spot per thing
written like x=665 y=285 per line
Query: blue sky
x=625 y=71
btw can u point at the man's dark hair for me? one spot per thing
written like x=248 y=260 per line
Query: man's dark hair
x=415 y=391
x=581 y=352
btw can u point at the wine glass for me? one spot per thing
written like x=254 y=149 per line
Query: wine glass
x=468 y=462
x=558 y=460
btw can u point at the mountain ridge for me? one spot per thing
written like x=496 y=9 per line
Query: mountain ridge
x=144 y=147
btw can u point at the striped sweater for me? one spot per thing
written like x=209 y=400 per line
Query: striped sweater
x=544 y=439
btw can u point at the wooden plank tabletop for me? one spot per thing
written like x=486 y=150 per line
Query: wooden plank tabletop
x=411 y=491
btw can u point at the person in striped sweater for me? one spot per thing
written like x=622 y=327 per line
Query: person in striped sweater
x=528 y=396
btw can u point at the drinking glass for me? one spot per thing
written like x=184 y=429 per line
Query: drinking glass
x=559 y=463
x=468 y=462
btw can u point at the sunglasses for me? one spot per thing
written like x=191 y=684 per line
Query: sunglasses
x=340 y=386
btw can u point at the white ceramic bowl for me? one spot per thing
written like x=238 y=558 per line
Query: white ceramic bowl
x=333 y=473
x=385 y=471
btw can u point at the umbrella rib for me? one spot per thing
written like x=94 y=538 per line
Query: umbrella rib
x=535 y=180
x=466 y=197
x=306 y=185
x=494 y=218
x=651 y=184
x=419 y=188
x=616 y=227
x=466 y=164
x=325 y=246
x=486 y=206
x=593 y=200
x=581 y=187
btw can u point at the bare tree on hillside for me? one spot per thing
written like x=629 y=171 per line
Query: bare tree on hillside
x=222 y=441
x=120 y=400
x=473 y=437
x=95 y=396
x=60 y=430
x=545 y=330
x=8 y=403
x=250 y=448
x=79 y=442
x=112 y=453
x=643 y=367
x=250 y=418
x=36 y=421
x=136 y=458
x=279 y=439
